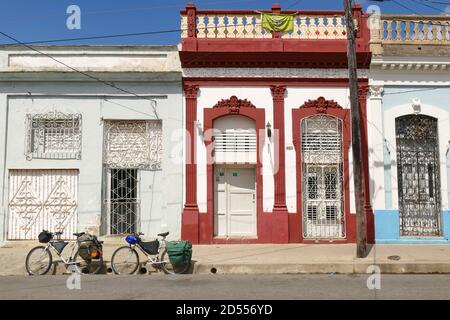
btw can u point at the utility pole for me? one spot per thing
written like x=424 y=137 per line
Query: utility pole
x=361 y=227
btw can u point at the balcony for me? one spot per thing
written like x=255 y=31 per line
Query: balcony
x=214 y=38
x=411 y=35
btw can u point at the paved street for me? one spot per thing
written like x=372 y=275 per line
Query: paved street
x=227 y=287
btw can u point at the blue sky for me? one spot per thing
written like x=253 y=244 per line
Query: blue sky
x=46 y=19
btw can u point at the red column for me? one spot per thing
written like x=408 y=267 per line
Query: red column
x=280 y=224
x=362 y=92
x=190 y=228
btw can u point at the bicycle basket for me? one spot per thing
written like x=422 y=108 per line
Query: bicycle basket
x=150 y=247
x=179 y=251
x=45 y=237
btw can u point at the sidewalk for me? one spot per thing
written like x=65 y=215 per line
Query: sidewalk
x=276 y=259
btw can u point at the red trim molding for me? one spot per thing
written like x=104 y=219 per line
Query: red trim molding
x=311 y=108
x=242 y=107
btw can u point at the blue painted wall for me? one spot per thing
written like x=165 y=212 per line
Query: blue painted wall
x=387 y=228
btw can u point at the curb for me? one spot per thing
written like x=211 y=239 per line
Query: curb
x=305 y=268
x=321 y=268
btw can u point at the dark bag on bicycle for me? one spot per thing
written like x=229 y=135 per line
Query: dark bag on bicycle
x=89 y=247
x=45 y=237
x=179 y=251
x=150 y=247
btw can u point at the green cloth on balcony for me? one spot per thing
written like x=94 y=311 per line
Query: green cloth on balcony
x=278 y=22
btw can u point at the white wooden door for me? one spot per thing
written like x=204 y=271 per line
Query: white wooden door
x=42 y=199
x=235 y=202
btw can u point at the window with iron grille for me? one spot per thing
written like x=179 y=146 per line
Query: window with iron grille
x=53 y=135
x=134 y=144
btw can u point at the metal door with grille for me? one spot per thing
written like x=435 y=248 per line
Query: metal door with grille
x=322 y=187
x=129 y=146
x=123 y=202
x=42 y=199
x=418 y=175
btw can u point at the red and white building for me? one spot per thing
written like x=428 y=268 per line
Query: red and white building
x=268 y=152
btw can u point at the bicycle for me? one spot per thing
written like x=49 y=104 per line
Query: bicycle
x=125 y=260
x=39 y=260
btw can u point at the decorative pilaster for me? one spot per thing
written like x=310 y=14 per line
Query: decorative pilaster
x=280 y=226
x=363 y=90
x=376 y=139
x=190 y=42
x=190 y=219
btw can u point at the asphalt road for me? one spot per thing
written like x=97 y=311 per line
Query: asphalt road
x=226 y=287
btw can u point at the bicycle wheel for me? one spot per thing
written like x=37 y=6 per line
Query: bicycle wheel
x=90 y=266
x=168 y=268
x=125 y=260
x=38 y=261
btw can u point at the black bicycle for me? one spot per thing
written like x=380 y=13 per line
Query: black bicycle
x=87 y=257
x=125 y=260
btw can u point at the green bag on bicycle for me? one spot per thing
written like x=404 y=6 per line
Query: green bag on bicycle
x=179 y=251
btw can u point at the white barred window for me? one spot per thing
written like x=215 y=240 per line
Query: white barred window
x=53 y=135
x=133 y=144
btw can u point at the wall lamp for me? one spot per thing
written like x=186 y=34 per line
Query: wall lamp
x=269 y=129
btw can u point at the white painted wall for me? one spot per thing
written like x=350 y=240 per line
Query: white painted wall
x=295 y=97
x=161 y=191
x=261 y=97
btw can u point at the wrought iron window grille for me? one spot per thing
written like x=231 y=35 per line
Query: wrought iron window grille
x=53 y=135
x=135 y=144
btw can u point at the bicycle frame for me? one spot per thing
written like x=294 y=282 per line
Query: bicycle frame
x=70 y=259
x=153 y=259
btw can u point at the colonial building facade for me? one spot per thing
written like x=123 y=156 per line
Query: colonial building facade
x=268 y=148
x=90 y=150
x=409 y=129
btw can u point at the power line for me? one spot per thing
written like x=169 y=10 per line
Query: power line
x=427 y=5
x=419 y=15
x=110 y=84
x=438 y=2
x=131 y=9
x=98 y=37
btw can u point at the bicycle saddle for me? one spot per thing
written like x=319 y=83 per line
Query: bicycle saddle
x=79 y=234
x=164 y=234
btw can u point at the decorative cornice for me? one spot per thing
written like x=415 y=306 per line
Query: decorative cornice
x=259 y=72
x=321 y=105
x=376 y=91
x=432 y=66
x=278 y=92
x=191 y=91
x=362 y=91
x=234 y=104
